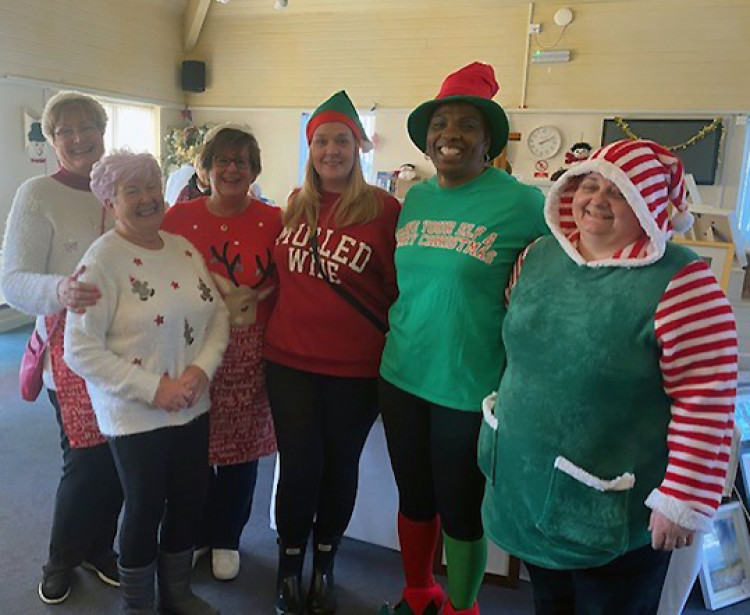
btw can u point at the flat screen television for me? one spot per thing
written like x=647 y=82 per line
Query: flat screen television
x=701 y=159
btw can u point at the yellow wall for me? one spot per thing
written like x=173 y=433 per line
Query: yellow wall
x=666 y=54
x=627 y=54
x=129 y=47
x=297 y=58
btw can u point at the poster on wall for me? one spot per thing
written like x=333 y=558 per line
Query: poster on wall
x=34 y=141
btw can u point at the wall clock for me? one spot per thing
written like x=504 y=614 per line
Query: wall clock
x=544 y=141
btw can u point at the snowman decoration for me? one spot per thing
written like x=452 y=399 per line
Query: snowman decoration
x=578 y=153
x=35 y=143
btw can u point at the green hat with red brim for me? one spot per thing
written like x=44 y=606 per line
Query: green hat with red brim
x=339 y=108
x=474 y=84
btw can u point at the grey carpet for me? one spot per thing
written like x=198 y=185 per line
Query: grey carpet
x=30 y=465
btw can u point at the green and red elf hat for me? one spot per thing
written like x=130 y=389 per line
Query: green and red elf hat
x=339 y=108
x=474 y=84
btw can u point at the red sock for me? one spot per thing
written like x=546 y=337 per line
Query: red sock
x=418 y=541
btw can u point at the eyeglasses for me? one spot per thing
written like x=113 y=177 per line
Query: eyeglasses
x=223 y=162
x=67 y=132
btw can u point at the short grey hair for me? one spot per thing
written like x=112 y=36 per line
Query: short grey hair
x=121 y=166
x=62 y=100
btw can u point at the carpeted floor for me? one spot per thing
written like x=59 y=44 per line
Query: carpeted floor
x=30 y=456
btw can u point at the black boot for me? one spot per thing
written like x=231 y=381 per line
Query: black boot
x=321 y=600
x=137 y=588
x=175 y=595
x=289 y=580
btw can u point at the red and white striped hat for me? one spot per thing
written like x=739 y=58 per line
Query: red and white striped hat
x=650 y=178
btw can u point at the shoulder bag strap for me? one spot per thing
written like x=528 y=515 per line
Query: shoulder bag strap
x=345 y=294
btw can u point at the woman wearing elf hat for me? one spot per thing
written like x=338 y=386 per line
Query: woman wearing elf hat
x=323 y=344
x=235 y=234
x=458 y=236
x=608 y=442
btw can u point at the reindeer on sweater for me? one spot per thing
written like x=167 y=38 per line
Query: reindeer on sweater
x=242 y=301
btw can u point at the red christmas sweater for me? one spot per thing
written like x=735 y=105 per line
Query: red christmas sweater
x=312 y=327
x=238 y=251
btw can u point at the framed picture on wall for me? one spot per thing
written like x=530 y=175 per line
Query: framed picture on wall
x=745 y=470
x=725 y=571
x=717 y=254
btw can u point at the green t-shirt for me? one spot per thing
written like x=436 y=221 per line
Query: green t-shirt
x=455 y=250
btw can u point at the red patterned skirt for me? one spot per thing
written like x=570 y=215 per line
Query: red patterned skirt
x=78 y=418
x=241 y=427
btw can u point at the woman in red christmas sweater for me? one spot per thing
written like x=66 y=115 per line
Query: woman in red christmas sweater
x=323 y=345
x=235 y=234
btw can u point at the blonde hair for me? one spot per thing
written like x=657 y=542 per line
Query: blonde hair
x=359 y=203
x=65 y=100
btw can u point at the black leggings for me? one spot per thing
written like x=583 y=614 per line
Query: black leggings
x=87 y=504
x=433 y=452
x=164 y=474
x=321 y=425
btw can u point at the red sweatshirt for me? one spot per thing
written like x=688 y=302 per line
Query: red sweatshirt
x=314 y=329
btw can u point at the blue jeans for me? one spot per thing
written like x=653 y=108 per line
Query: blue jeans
x=629 y=585
x=228 y=505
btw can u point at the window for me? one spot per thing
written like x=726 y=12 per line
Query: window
x=130 y=126
x=367 y=160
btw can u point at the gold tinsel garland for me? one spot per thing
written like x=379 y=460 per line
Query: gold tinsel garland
x=708 y=128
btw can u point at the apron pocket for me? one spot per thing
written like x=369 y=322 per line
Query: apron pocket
x=487 y=445
x=583 y=509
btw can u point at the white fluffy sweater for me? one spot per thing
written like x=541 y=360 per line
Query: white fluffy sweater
x=158 y=314
x=49 y=228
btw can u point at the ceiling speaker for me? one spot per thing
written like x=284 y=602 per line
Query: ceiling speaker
x=193 y=77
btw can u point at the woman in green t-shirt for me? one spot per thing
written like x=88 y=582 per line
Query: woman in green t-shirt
x=459 y=234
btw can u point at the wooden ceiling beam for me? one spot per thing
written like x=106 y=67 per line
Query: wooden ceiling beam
x=195 y=16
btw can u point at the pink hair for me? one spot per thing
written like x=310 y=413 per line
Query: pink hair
x=118 y=167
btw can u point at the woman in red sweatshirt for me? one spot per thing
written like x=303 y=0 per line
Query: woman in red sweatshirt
x=323 y=345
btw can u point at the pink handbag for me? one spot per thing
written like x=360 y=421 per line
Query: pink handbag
x=32 y=365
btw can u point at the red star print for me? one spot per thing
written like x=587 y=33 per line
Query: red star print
x=159 y=320
x=175 y=285
x=137 y=261
x=137 y=362
x=132 y=279
x=188 y=253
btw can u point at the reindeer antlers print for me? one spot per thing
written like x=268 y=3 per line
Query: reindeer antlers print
x=224 y=260
x=265 y=268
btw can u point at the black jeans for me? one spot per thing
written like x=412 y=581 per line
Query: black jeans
x=87 y=504
x=164 y=475
x=228 y=504
x=433 y=453
x=629 y=585
x=321 y=426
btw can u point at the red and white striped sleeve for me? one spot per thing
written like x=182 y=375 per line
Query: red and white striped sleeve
x=697 y=334
x=516 y=271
